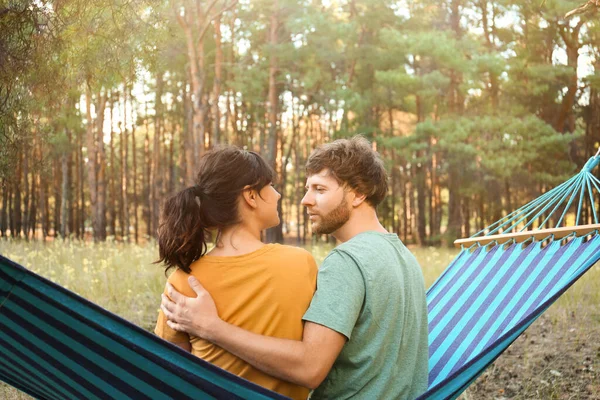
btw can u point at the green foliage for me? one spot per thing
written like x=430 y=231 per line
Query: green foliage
x=468 y=90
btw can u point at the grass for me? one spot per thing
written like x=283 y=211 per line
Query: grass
x=123 y=279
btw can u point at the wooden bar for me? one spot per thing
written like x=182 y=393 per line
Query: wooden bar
x=537 y=234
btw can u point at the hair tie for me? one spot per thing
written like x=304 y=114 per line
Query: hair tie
x=198 y=193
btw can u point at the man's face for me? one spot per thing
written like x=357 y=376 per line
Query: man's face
x=326 y=203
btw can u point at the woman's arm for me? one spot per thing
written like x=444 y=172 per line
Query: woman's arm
x=187 y=346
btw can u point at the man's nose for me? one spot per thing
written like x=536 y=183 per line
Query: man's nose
x=307 y=200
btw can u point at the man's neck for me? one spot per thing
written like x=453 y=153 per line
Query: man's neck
x=363 y=219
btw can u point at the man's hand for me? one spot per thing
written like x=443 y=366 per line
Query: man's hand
x=194 y=315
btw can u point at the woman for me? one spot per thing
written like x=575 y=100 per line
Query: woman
x=264 y=288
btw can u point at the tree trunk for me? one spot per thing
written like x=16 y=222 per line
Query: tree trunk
x=454 y=208
x=101 y=181
x=147 y=187
x=195 y=29
x=298 y=192
x=78 y=223
x=481 y=212
x=190 y=163
x=71 y=205
x=488 y=35
x=421 y=218
x=396 y=197
x=45 y=200
x=17 y=213
x=405 y=208
x=81 y=211
x=3 y=211
x=33 y=191
x=11 y=221
x=124 y=171
x=273 y=97
x=467 y=216
x=572 y=43
x=134 y=180
x=113 y=168
x=156 y=181
x=274 y=234
x=216 y=117
x=171 y=170
x=57 y=183
x=91 y=163
x=26 y=204
x=64 y=222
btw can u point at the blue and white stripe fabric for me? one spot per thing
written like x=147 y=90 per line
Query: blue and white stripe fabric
x=487 y=297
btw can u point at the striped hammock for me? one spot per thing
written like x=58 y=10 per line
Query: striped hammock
x=57 y=345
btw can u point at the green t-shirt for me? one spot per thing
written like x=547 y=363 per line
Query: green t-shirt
x=371 y=290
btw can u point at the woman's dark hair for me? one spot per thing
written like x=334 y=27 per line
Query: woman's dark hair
x=188 y=216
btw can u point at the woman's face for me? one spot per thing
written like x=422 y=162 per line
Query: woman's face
x=267 y=206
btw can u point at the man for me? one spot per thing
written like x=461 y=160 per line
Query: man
x=365 y=332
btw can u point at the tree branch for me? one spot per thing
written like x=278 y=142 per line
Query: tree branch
x=180 y=20
x=210 y=7
x=590 y=5
x=212 y=18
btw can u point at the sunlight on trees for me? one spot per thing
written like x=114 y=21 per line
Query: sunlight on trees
x=105 y=107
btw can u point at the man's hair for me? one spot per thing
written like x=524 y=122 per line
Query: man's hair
x=354 y=164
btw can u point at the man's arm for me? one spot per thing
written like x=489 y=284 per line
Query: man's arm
x=305 y=362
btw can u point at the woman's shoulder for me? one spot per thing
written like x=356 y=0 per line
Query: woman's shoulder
x=294 y=255
x=292 y=250
x=179 y=280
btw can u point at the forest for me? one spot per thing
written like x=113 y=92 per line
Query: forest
x=106 y=106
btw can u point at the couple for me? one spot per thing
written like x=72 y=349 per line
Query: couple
x=252 y=309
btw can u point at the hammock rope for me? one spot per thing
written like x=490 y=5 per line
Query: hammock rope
x=572 y=196
x=498 y=285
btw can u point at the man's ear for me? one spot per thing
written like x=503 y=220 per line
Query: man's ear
x=249 y=196
x=358 y=199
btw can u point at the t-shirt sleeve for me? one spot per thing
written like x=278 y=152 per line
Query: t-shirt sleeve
x=162 y=329
x=340 y=294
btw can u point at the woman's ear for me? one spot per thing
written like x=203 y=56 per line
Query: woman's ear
x=249 y=196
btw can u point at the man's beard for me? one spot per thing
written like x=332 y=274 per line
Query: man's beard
x=334 y=220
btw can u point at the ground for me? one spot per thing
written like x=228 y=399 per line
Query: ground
x=558 y=357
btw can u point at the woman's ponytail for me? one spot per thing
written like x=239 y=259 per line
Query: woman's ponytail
x=211 y=205
x=182 y=234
